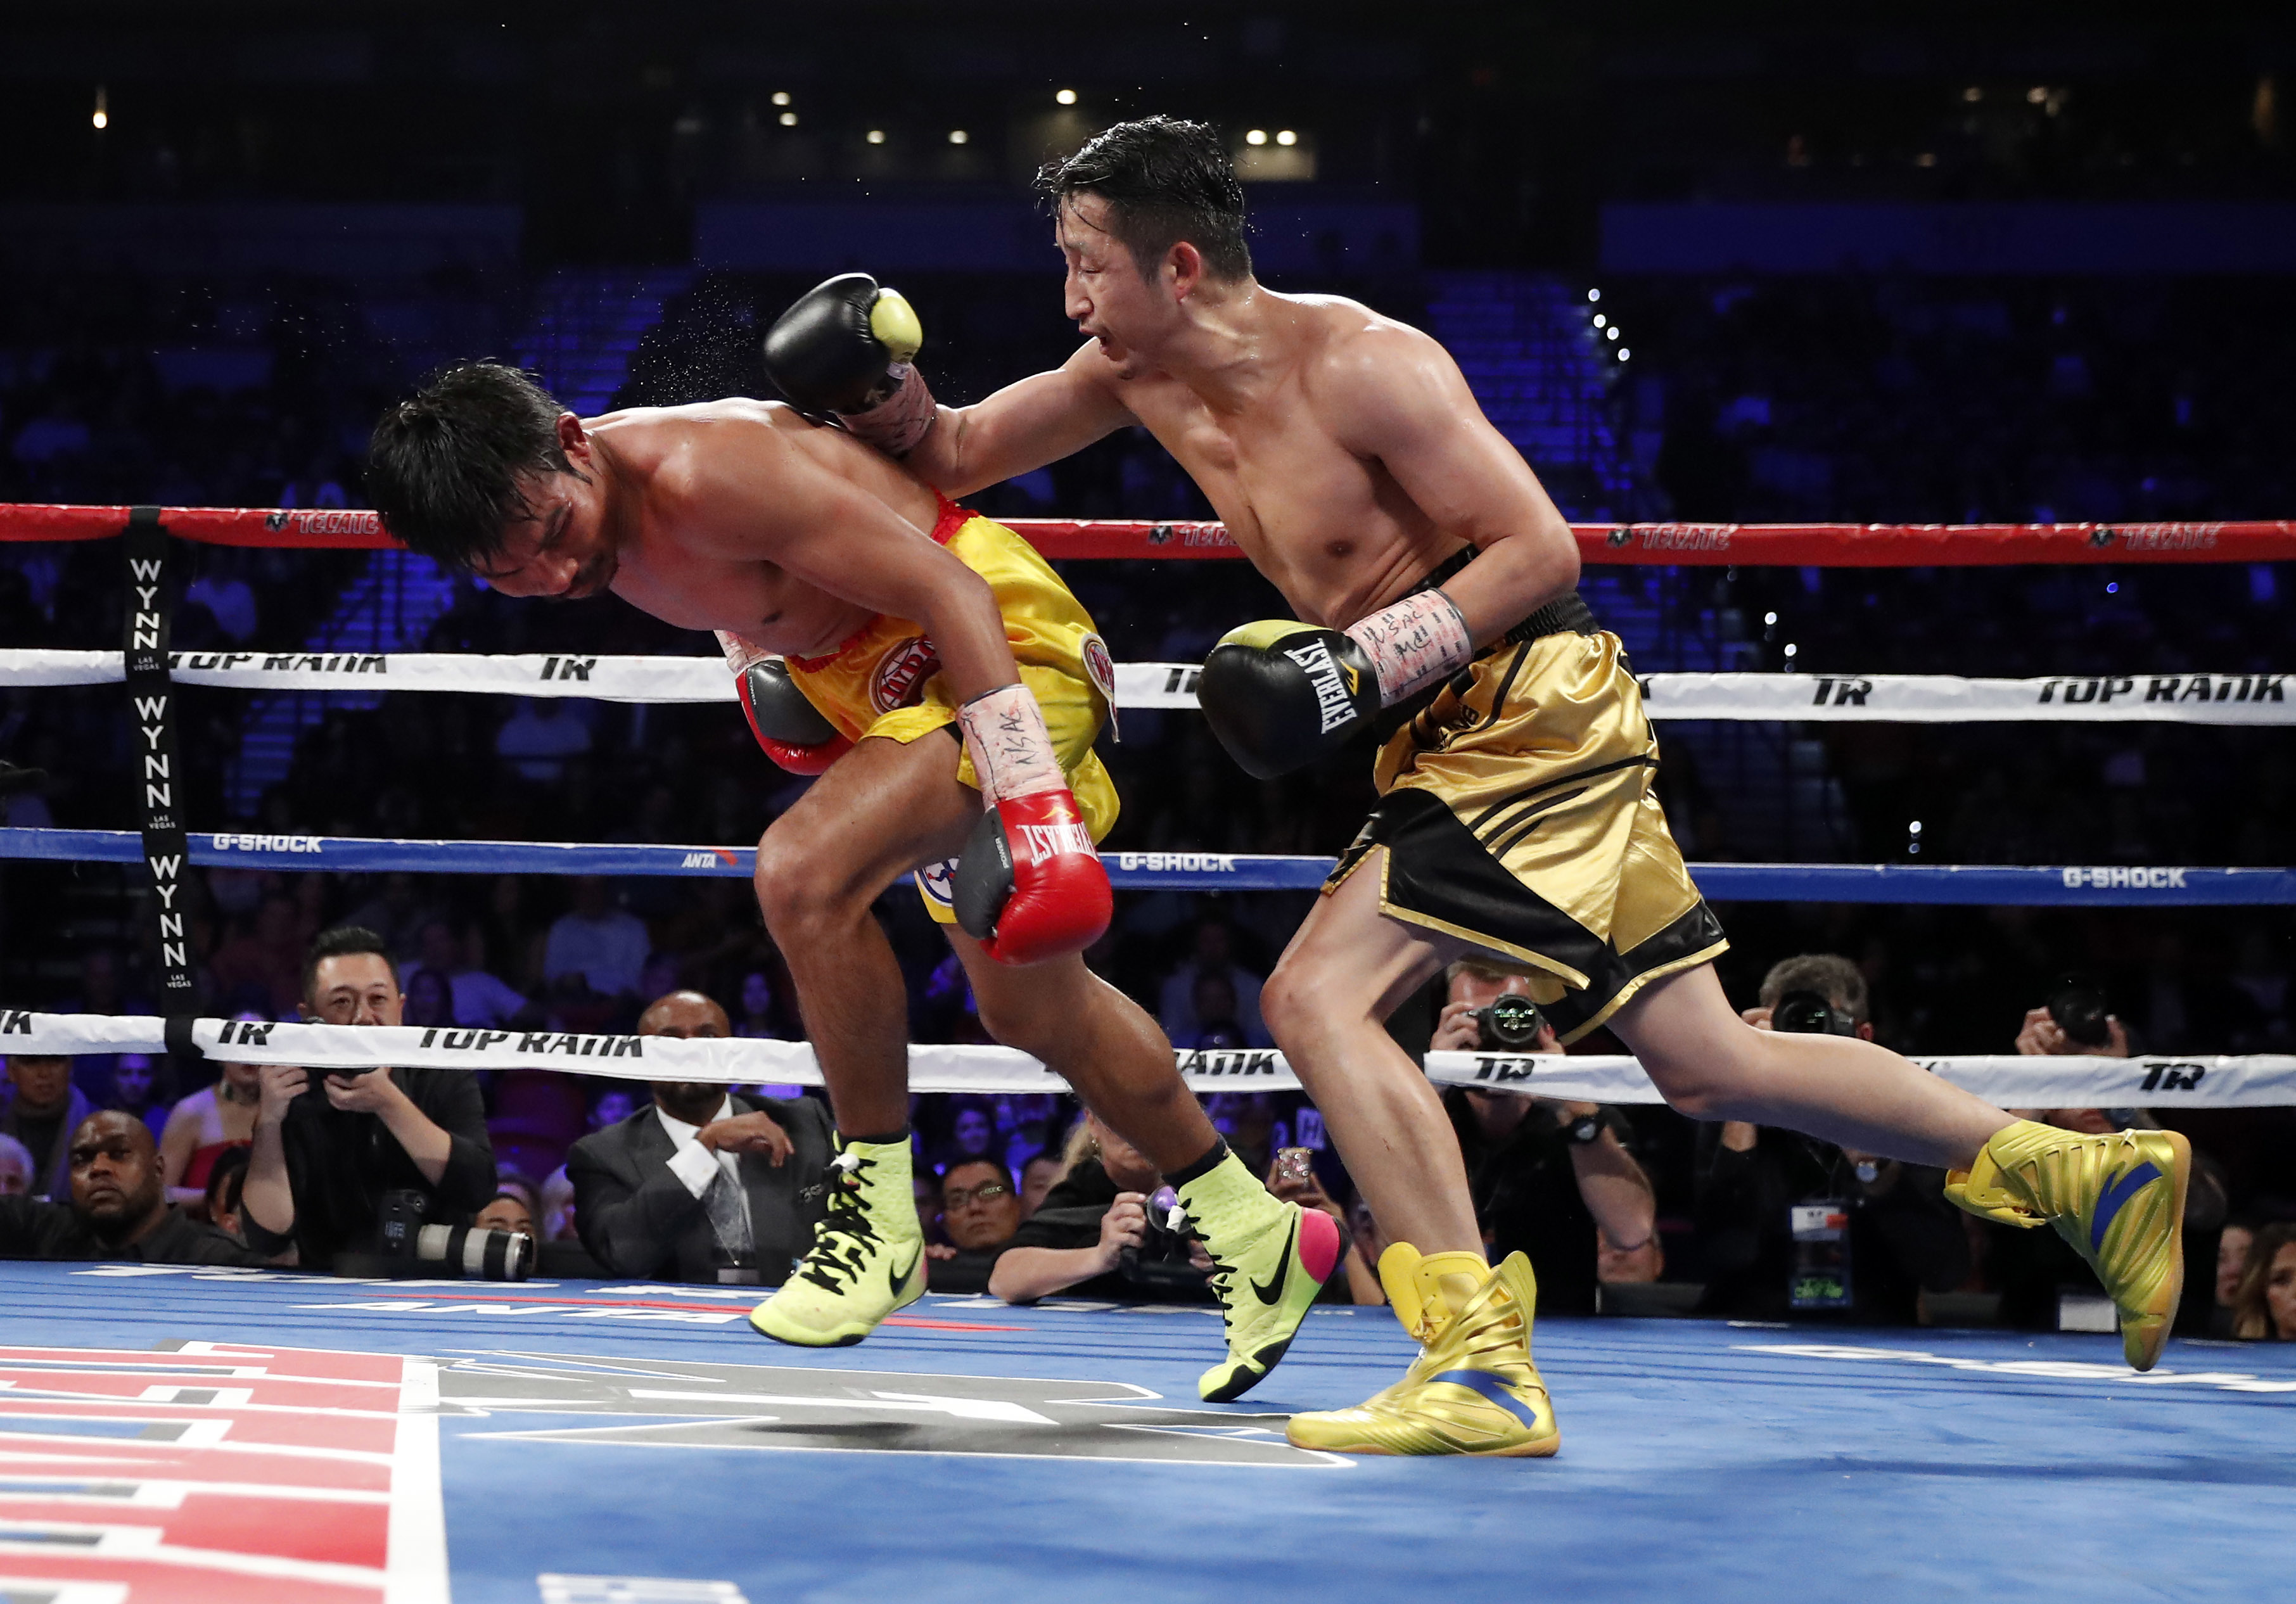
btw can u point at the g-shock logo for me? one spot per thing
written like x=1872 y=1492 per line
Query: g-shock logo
x=899 y=678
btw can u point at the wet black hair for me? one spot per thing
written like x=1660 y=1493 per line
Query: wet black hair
x=1165 y=181
x=443 y=466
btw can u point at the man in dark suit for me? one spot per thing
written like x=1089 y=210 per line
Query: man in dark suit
x=705 y=1185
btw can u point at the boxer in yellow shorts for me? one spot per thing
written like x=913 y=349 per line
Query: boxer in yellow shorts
x=885 y=682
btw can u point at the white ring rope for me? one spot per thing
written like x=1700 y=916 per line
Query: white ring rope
x=2264 y=1080
x=2210 y=699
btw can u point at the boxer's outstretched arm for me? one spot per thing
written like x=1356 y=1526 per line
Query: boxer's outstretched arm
x=1395 y=395
x=753 y=496
x=1041 y=419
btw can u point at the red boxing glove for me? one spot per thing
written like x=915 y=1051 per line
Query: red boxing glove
x=1030 y=884
x=789 y=727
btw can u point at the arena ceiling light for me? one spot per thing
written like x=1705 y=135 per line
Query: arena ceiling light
x=1066 y=97
x=780 y=97
x=788 y=119
x=959 y=136
x=1593 y=295
x=1255 y=136
x=876 y=136
x=1285 y=137
x=102 y=118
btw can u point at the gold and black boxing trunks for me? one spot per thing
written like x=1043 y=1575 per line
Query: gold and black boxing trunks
x=1519 y=811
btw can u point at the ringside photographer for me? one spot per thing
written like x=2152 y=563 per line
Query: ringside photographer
x=359 y=1161
x=1552 y=1179
x=1105 y=1230
x=1793 y=1227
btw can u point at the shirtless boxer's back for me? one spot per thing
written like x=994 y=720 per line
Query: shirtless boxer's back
x=864 y=615
x=1434 y=584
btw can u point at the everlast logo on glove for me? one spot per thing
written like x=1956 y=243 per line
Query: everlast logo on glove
x=1050 y=840
x=1334 y=693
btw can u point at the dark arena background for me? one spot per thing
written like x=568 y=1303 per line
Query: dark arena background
x=1916 y=379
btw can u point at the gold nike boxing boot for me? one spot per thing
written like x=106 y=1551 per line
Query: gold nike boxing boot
x=2118 y=1198
x=867 y=1258
x=1473 y=1390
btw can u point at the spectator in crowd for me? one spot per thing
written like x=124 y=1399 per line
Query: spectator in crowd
x=597 y=941
x=16 y=1168
x=538 y=738
x=329 y=1147
x=1554 y=1180
x=263 y=960
x=2033 y=1270
x=227 y=1181
x=2265 y=1307
x=114 y=1206
x=1247 y=1121
x=611 y=1106
x=1301 y=1184
x=706 y=1184
x=1213 y=953
x=1078 y=1239
x=757 y=1021
x=971 y=1130
x=205 y=1125
x=2231 y=1260
x=980 y=1211
x=397 y=913
x=506 y=1211
x=135 y=1090
x=480 y=1000
x=1037 y=1177
x=1899 y=1238
x=429 y=1000
x=44 y=1112
x=1216 y=1013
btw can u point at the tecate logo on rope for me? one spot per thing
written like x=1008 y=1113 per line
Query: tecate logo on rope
x=2103 y=879
x=323 y=520
x=266 y=843
x=1178 y=862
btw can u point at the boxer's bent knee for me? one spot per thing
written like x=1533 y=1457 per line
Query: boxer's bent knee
x=1302 y=1003
x=801 y=883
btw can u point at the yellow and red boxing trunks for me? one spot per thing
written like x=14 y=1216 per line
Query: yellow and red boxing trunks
x=886 y=681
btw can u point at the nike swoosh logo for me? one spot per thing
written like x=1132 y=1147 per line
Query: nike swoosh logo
x=1274 y=1290
x=894 y=1278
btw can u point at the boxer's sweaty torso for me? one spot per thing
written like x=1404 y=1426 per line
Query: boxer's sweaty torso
x=666 y=571
x=1327 y=525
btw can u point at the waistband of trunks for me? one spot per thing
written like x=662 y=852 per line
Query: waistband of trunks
x=1565 y=614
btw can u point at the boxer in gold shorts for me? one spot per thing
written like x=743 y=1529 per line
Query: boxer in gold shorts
x=1434 y=587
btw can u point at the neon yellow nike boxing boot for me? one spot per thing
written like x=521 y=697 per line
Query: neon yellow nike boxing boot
x=1473 y=1390
x=1269 y=1260
x=2118 y=1198
x=867 y=1258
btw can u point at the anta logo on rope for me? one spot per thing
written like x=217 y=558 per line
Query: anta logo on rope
x=899 y=678
x=1053 y=840
x=1333 y=698
x=2170 y=687
x=322 y=520
x=1217 y=1063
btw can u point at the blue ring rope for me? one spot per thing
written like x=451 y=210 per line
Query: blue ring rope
x=1967 y=885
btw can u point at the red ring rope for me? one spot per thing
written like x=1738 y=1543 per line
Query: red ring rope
x=1702 y=544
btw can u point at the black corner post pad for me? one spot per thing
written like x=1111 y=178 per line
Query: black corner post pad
x=179 y=1039
x=151 y=704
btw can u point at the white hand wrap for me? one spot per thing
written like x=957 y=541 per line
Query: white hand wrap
x=895 y=424
x=1012 y=750
x=742 y=653
x=1413 y=643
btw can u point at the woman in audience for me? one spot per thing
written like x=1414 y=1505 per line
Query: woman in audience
x=135 y=1090
x=2265 y=1306
x=430 y=999
x=205 y=1125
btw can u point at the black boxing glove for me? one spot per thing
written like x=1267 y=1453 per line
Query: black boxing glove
x=843 y=348
x=793 y=731
x=1281 y=694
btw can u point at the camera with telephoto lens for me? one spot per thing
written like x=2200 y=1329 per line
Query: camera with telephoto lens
x=474 y=1252
x=2080 y=1009
x=1162 y=1260
x=1811 y=1013
x=1509 y=1023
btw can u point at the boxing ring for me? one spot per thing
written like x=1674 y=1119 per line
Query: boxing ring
x=178 y=1434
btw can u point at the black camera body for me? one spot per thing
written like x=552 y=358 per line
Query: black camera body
x=1811 y=1013
x=1509 y=1023
x=2080 y=1012
x=1162 y=1260
x=470 y=1251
